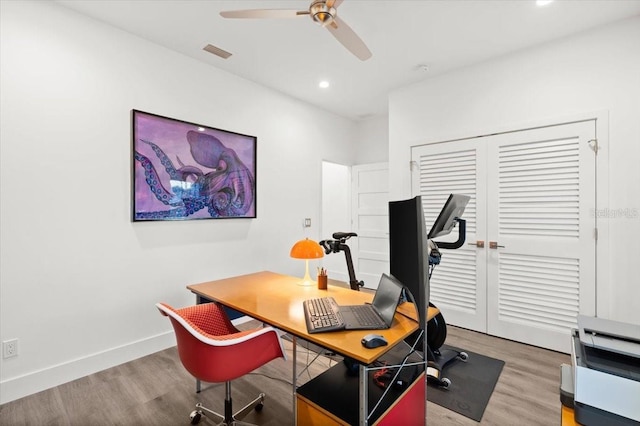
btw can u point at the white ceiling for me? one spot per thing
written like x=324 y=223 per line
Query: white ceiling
x=293 y=55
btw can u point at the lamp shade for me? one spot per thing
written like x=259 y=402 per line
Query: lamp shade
x=306 y=249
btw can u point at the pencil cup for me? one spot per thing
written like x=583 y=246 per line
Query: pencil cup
x=322 y=282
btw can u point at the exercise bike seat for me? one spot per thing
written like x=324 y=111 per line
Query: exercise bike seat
x=344 y=235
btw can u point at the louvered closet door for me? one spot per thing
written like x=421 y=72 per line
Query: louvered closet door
x=533 y=195
x=541 y=196
x=458 y=284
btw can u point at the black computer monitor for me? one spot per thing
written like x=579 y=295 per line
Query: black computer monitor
x=408 y=251
x=446 y=220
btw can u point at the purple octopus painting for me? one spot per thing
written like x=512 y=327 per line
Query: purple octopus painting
x=186 y=171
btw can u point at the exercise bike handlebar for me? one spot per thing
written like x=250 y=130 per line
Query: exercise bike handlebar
x=462 y=232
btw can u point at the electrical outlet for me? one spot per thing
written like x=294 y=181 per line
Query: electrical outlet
x=10 y=348
x=307 y=222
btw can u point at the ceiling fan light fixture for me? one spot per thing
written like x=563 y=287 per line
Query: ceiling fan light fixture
x=321 y=13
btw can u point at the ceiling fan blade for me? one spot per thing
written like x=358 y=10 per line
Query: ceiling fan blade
x=334 y=3
x=263 y=13
x=349 y=39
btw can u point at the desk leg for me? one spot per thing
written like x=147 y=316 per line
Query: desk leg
x=294 y=381
x=425 y=391
x=199 y=300
x=362 y=394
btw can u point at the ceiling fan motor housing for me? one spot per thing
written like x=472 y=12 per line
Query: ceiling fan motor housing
x=321 y=13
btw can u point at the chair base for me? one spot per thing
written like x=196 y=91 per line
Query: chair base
x=228 y=419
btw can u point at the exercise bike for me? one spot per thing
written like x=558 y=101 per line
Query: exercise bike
x=437 y=358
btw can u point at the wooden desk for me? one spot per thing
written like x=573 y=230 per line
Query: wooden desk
x=276 y=300
x=567 y=417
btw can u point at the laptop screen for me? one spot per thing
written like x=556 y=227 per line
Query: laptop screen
x=387 y=297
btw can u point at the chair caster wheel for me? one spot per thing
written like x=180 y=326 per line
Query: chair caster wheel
x=195 y=417
x=463 y=356
x=259 y=407
x=445 y=383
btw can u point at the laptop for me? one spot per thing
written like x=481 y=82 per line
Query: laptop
x=379 y=314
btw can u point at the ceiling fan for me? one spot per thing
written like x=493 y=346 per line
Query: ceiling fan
x=324 y=12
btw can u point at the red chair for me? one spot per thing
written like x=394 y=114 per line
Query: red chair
x=214 y=351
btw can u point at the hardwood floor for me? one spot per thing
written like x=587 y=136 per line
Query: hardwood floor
x=528 y=391
x=157 y=390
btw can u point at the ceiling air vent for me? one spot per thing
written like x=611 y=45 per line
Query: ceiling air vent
x=217 y=51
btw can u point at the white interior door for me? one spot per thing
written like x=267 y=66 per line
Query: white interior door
x=532 y=195
x=370 y=220
x=541 y=193
x=458 y=284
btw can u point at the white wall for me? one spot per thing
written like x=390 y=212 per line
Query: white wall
x=595 y=72
x=79 y=280
x=372 y=140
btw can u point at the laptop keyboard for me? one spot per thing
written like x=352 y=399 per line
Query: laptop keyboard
x=322 y=314
x=364 y=316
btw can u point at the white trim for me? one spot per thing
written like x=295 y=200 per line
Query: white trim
x=603 y=261
x=241 y=320
x=37 y=381
x=515 y=127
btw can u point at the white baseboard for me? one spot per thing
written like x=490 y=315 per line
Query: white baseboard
x=37 y=381
x=241 y=320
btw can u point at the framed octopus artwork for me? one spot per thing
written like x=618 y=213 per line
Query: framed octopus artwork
x=185 y=171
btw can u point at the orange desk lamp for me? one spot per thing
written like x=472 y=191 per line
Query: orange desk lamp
x=306 y=249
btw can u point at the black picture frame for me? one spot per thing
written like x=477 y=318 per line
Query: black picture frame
x=187 y=171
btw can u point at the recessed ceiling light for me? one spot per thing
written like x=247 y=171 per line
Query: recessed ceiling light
x=543 y=2
x=323 y=84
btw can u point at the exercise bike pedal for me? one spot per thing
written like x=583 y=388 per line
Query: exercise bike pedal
x=434 y=377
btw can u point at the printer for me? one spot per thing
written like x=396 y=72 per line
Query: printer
x=603 y=384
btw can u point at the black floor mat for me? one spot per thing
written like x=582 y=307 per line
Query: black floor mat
x=472 y=383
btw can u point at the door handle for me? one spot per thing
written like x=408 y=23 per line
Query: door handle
x=479 y=244
x=494 y=245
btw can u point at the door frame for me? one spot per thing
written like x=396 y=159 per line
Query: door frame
x=335 y=210
x=339 y=212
